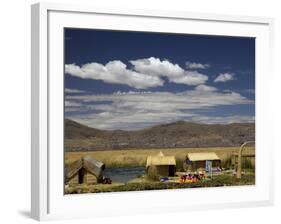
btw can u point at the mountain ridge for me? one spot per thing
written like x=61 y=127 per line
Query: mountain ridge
x=179 y=134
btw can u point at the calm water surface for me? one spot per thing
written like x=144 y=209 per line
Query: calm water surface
x=123 y=174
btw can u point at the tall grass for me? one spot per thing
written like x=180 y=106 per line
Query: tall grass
x=246 y=163
x=227 y=163
x=137 y=157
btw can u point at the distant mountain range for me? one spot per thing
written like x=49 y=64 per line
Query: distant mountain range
x=179 y=134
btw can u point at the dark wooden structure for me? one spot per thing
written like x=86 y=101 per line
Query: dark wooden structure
x=86 y=170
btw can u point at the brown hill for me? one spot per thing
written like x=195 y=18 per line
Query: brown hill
x=179 y=134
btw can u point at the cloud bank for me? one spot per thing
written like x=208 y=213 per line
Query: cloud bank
x=144 y=73
x=115 y=72
x=136 y=110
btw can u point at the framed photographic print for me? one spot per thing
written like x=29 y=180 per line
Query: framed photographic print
x=145 y=107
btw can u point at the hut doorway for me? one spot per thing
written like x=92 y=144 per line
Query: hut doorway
x=81 y=174
x=171 y=170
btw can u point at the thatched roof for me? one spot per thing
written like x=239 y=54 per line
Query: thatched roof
x=90 y=164
x=72 y=168
x=201 y=156
x=160 y=159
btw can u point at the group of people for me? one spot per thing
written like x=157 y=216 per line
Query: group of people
x=192 y=178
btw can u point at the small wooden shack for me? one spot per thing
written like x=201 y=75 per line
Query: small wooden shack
x=86 y=170
x=198 y=160
x=161 y=165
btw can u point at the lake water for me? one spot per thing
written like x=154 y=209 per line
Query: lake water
x=123 y=174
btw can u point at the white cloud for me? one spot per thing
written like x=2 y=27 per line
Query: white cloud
x=225 y=77
x=195 y=99
x=114 y=72
x=68 y=103
x=144 y=74
x=132 y=92
x=154 y=66
x=74 y=91
x=194 y=65
x=72 y=106
x=136 y=110
x=223 y=119
x=174 y=73
x=192 y=78
x=205 y=88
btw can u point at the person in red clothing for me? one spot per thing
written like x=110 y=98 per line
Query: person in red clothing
x=182 y=178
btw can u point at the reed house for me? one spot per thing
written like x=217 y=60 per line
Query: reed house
x=195 y=161
x=161 y=165
x=86 y=170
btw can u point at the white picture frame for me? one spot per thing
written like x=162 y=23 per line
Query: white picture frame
x=48 y=201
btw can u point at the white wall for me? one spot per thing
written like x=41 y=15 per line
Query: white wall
x=15 y=109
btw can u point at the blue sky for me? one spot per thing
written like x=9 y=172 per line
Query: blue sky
x=133 y=80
